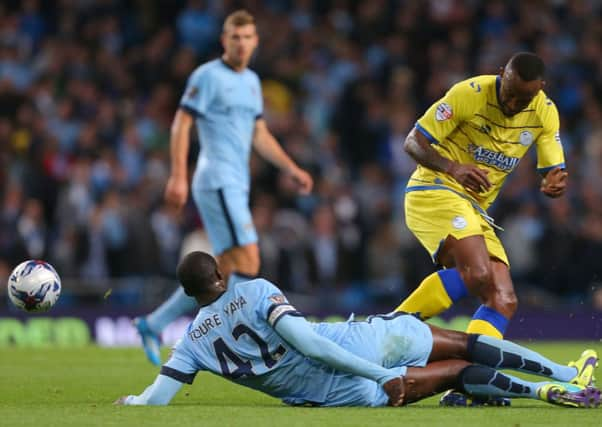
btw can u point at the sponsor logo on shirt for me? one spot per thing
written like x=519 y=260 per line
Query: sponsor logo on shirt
x=444 y=112
x=526 y=138
x=557 y=137
x=241 y=109
x=493 y=158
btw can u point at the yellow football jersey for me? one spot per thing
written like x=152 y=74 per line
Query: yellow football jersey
x=467 y=126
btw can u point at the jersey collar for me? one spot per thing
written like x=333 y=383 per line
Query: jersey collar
x=498 y=85
x=230 y=67
x=227 y=65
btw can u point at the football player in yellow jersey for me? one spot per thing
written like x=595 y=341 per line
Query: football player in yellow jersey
x=465 y=145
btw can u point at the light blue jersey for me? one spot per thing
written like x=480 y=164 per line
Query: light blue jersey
x=235 y=337
x=226 y=104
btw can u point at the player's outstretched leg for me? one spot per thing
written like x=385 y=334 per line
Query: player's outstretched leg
x=149 y=327
x=502 y=354
x=486 y=382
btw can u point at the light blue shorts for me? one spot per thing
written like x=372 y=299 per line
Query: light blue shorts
x=226 y=217
x=394 y=341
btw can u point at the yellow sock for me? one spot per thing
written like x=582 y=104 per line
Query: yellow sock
x=488 y=321
x=477 y=326
x=429 y=299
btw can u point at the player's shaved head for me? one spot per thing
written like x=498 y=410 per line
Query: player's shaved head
x=521 y=81
x=198 y=274
x=527 y=65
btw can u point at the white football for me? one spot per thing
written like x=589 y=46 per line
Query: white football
x=34 y=286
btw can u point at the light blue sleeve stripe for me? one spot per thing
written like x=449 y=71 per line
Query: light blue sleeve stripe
x=426 y=133
x=549 y=168
x=298 y=332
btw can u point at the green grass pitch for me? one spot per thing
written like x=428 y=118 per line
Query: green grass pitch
x=75 y=387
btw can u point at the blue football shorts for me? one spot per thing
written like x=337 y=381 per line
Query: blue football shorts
x=396 y=340
x=226 y=217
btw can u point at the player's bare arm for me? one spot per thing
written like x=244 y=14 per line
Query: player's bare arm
x=555 y=183
x=470 y=176
x=266 y=145
x=176 y=191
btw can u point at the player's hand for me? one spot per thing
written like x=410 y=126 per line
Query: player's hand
x=470 y=176
x=176 y=191
x=555 y=183
x=302 y=179
x=396 y=391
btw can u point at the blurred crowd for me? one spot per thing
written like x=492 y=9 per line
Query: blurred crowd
x=88 y=89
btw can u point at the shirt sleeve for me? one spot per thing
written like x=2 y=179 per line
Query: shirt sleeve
x=199 y=93
x=446 y=114
x=550 y=153
x=298 y=332
x=182 y=366
x=160 y=392
x=272 y=305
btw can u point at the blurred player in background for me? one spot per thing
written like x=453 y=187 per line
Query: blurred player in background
x=224 y=98
x=250 y=334
x=465 y=145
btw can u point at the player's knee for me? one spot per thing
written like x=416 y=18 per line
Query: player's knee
x=503 y=301
x=506 y=302
x=477 y=279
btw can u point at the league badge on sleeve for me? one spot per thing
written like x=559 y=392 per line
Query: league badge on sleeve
x=193 y=92
x=277 y=299
x=444 y=112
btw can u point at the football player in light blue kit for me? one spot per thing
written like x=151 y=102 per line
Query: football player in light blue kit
x=249 y=333
x=223 y=97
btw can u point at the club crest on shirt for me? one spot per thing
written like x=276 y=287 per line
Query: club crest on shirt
x=526 y=138
x=459 y=222
x=444 y=112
